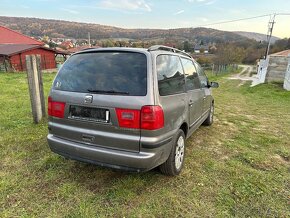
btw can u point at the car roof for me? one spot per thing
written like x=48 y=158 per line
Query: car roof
x=157 y=49
x=112 y=49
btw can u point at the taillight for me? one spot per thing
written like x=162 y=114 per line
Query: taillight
x=55 y=109
x=149 y=118
x=152 y=117
x=128 y=118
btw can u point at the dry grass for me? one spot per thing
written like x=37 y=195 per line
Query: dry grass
x=237 y=167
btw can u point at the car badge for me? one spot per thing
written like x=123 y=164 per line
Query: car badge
x=88 y=99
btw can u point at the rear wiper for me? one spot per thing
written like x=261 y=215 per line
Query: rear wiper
x=113 y=92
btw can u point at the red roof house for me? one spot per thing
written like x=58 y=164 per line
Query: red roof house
x=80 y=48
x=15 y=46
x=284 y=53
x=66 y=45
x=8 y=36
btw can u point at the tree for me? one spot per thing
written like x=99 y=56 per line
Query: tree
x=229 y=54
x=288 y=44
x=52 y=44
x=186 y=46
x=280 y=45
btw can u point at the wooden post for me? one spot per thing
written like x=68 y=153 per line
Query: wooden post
x=35 y=87
x=5 y=64
x=21 y=63
x=41 y=91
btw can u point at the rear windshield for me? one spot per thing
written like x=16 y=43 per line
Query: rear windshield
x=113 y=73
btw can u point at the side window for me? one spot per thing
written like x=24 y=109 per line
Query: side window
x=170 y=75
x=202 y=77
x=192 y=81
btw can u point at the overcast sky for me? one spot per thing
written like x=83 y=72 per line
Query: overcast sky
x=157 y=13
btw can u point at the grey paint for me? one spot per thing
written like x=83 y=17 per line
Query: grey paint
x=107 y=144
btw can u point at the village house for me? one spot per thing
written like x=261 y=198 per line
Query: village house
x=201 y=49
x=277 y=66
x=14 y=47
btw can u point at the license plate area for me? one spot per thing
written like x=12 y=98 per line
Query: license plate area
x=89 y=114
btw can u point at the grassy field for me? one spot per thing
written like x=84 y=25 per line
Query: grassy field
x=239 y=167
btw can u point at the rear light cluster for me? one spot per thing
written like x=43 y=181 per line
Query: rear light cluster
x=149 y=118
x=55 y=109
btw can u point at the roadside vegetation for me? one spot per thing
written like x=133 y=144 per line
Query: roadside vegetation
x=240 y=166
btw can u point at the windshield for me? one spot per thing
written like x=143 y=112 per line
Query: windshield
x=111 y=73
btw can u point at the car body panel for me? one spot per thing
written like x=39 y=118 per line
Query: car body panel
x=106 y=143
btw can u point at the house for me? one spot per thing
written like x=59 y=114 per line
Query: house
x=9 y=36
x=277 y=66
x=15 y=46
x=12 y=56
x=201 y=49
x=80 y=48
x=287 y=76
x=66 y=45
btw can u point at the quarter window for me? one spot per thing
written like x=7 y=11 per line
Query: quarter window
x=202 y=77
x=192 y=81
x=170 y=75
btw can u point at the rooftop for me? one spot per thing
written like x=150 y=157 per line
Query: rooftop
x=9 y=36
x=284 y=53
x=11 y=49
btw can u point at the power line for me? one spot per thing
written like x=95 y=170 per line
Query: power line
x=236 y=20
x=287 y=14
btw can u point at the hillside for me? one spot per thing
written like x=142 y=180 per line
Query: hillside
x=65 y=29
x=257 y=36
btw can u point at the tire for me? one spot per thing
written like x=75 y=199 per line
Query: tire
x=173 y=165
x=209 y=119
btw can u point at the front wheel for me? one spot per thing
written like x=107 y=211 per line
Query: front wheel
x=209 y=119
x=175 y=161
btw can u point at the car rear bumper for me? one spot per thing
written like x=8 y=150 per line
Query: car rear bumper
x=123 y=160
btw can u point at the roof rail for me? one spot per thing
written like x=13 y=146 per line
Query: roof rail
x=85 y=49
x=166 y=48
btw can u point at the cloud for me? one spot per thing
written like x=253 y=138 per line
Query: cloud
x=210 y=2
x=179 y=12
x=69 y=11
x=127 y=5
x=205 y=2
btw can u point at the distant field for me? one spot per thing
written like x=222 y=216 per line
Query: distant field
x=239 y=167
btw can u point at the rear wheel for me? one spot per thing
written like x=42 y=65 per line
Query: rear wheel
x=209 y=119
x=175 y=161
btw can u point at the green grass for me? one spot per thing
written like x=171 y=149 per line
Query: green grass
x=237 y=167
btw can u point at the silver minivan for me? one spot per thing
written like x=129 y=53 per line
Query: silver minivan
x=128 y=108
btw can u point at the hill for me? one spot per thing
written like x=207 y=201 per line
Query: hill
x=257 y=36
x=66 y=29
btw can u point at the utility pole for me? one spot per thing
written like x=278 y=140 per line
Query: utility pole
x=89 y=36
x=269 y=34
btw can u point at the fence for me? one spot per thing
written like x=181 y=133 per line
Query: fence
x=219 y=68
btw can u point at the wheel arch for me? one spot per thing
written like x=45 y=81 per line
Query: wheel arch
x=184 y=128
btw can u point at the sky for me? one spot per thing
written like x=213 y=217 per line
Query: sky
x=158 y=14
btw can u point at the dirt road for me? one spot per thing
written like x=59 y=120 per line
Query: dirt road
x=245 y=75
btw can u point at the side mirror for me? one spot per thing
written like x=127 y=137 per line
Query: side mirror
x=213 y=85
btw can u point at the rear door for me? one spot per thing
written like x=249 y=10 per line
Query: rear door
x=194 y=92
x=94 y=86
x=171 y=88
x=204 y=86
